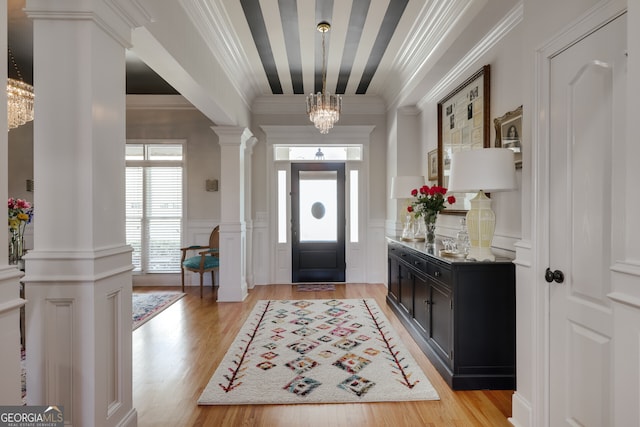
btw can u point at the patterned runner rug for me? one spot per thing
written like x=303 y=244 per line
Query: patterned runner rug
x=316 y=351
x=315 y=287
x=147 y=305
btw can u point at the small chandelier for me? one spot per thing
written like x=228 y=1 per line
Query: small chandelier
x=19 y=99
x=323 y=108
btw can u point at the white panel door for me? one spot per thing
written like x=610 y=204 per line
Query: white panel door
x=587 y=100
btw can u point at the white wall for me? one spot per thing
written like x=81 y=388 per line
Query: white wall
x=503 y=52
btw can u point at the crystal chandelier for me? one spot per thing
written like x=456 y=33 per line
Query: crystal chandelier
x=323 y=108
x=19 y=99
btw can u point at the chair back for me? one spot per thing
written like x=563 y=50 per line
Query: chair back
x=214 y=238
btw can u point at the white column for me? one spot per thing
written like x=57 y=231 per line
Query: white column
x=233 y=244
x=10 y=301
x=78 y=276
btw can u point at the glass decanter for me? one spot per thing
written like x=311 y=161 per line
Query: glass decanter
x=462 y=237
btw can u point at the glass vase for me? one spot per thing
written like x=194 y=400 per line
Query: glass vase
x=16 y=248
x=430 y=226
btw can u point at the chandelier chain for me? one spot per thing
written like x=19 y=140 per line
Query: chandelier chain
x=324 y=63
x=15 y=66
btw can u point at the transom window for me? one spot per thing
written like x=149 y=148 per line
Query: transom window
x=331 y=153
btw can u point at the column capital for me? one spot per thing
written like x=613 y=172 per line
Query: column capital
x=115 y=17
x=232 y=135
x=251 y=142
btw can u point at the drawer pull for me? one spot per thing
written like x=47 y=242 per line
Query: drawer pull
x=437 y=274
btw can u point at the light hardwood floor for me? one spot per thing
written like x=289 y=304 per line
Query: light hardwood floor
x=175 y=354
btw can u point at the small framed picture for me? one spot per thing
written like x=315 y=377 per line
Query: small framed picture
x=432 y=162
x=509 y=131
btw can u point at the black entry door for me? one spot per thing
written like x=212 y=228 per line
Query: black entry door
x=318 y=222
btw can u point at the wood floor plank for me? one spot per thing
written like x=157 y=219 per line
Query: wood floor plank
x=175 y=354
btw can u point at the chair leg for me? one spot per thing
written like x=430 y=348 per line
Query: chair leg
x=213 y=279
x=182 y=274
x=200 y=285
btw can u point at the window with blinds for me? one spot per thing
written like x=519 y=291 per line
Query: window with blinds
x=154 y=206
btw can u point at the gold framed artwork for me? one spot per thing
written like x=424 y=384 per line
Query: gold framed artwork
x=432 y=165
x=463 y=124
x=509 y=131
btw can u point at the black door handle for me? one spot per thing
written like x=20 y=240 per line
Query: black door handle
x=554 y=276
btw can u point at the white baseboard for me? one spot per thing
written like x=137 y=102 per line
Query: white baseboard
x=521 y=411
x=156 y=279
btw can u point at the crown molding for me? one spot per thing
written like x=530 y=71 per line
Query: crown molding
x=437 y=24
x=214 y=26
x=158 y=102
x=296 y=104
x=115 y=17
x=461 y=69
x=308 y=134
x=132 y=12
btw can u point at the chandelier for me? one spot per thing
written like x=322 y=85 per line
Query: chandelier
x=19 y=99
x=323 y=108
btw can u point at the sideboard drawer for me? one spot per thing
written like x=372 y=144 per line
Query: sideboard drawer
x=418 y=263
x=439 y=272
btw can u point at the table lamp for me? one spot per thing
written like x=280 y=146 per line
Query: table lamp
x=401 y=187
x=486 y=170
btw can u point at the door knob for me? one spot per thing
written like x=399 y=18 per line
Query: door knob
x=554 y=276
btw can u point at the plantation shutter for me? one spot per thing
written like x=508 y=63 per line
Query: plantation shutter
x=164 y=218
x=154 y=202
x=134 y=214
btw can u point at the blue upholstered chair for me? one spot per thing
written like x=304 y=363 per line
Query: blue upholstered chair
x=206 y=260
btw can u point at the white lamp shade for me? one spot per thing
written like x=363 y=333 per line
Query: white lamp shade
x=488 y=169
x=401 y=186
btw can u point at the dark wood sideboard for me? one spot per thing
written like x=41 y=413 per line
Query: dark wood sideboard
x=461 y=313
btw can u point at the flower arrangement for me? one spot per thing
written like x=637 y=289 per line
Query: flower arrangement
x=20 y=214
x=429 y=201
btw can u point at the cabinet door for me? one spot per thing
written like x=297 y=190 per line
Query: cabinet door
x=406 y=289
x=421 y=304
x=394 y=278
x=441 y=333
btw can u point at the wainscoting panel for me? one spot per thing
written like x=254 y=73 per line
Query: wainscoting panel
x=113 y=313
x=59 y=346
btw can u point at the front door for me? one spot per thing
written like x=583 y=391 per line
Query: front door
x=318 y=222
x=586 y=116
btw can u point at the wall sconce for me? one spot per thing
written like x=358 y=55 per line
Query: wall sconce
x=211 y=185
